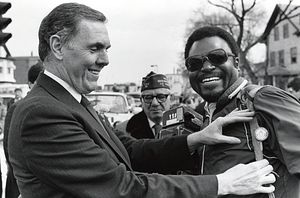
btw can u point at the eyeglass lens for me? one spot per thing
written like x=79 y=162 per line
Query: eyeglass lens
x=217 y=57
x=160 y=98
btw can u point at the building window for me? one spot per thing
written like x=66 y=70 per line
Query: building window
x=272 y=59
x=9 y=70
x=276 y=34
x=286 y=30
x=281 y=58
x=294 y=55
x=1 y=70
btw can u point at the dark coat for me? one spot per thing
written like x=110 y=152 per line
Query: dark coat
x=58 y=149
x=138 y=126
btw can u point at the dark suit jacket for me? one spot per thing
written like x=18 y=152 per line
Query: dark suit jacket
x=58 y=149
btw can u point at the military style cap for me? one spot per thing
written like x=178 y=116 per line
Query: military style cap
x=154 y=81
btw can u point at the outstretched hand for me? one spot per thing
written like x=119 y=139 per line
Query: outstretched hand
x=212 y=134
x=247 y=179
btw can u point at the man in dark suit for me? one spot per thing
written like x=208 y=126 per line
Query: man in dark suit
x=58 y=146
x=155 y=99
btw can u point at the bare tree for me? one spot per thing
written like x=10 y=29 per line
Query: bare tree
x=242 y=18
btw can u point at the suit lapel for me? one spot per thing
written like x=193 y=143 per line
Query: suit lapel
x=112 y=139
x=115 y=139
x=114 y=145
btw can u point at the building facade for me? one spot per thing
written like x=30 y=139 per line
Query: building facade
x=283 y=46
x=14 y=69
x=23 y=63
x=7 y=69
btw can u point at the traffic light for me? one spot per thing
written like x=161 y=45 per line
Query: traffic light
x=4 y=22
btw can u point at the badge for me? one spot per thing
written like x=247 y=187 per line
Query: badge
x=261 y=133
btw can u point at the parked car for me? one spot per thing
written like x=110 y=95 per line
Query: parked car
x=114 y=105
x=6 y=98
x=137 y=98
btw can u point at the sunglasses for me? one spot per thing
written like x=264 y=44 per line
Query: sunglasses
x=215 y=57
x=160 y=98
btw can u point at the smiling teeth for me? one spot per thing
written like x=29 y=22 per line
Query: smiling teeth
x=211 y=79
x=96 y=72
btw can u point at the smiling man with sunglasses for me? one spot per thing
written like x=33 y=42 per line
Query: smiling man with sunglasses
x=155 y=99
x=211 y=55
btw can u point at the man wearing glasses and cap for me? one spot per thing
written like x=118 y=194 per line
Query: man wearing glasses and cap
x=212 y=61
x=155 y=98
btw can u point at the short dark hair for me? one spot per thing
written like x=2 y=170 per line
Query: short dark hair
x=34 y=71
x=210 y=31
x=63 y=21
x=18 y=89
x=294 y=84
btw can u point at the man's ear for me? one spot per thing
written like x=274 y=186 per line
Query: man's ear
x=236 y=62
x=56 y=46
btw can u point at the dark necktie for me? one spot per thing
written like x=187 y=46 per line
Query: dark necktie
x=84 y=101
x=157 y=129
x=87 y=104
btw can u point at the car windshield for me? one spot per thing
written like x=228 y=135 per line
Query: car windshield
x=136 y=97
x=108 y=103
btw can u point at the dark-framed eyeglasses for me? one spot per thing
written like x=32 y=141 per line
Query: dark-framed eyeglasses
x=215 y=57
x=160 y=98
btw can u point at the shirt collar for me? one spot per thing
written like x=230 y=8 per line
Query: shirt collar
x=69 y=88
x=151 y=123
x=210 y=107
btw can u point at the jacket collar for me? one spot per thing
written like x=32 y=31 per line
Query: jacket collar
x=136 y=121
x=231 y=92
x=68 y=87
x=56 y=90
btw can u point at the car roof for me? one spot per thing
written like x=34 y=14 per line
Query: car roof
x=107 y=93
x=7 y=95
x=134 y=93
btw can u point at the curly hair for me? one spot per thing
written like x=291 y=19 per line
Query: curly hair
x=210 y=31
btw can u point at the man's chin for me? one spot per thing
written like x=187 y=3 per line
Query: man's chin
x=156 y=115
x=87 y=90
x=211 y=97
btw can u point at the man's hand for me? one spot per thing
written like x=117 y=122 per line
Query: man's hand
x=247 y=179
x=212 y=134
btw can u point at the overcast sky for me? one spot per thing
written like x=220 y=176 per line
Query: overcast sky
x=142 y=32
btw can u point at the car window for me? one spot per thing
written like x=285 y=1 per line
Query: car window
x=108 y=103
x=136 y=97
